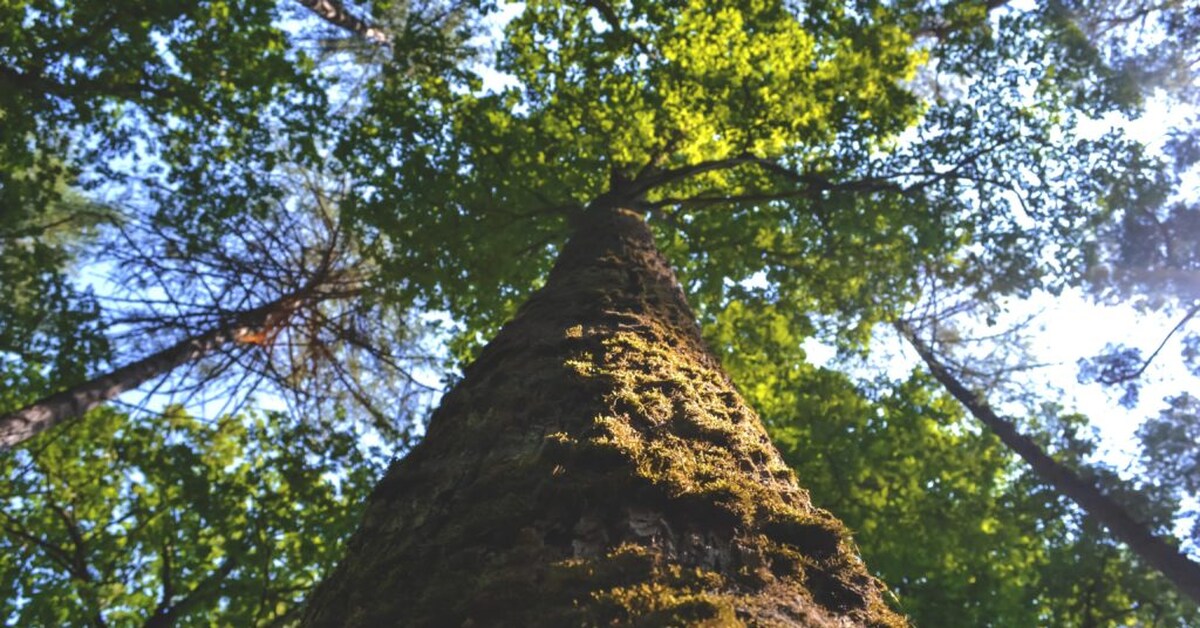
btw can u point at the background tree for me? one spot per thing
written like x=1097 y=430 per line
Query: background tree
x=201 y=253
x=50 y=329
x=1125 y=54
x=1140 y=536
x=897 y=454
x=279 y=301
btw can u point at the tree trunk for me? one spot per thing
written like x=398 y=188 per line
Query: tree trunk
x=1151 y=549
x=596 y=466
x=21 y=425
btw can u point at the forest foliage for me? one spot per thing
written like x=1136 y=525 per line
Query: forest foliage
x=815 y=171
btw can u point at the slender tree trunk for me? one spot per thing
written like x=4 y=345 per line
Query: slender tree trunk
x=334 y=12
x=597 y=467
x=1153 y=550
x=21 y=425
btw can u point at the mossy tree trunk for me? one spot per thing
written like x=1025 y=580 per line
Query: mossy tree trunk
x=596 y=466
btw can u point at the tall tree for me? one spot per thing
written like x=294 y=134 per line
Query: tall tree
x=601 y=397
x=1121 y=56
x=597 y=466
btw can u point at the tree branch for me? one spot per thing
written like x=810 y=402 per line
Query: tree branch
x=169 y=616
x=1111 y=380
x=336 y=13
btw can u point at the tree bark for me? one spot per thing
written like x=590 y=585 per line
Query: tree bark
x=596 y=466
x=1150 y=548
x=21 y=425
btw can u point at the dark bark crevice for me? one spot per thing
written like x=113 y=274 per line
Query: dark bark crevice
x=596 y=466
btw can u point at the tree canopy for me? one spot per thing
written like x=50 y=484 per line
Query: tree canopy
x=814 y=171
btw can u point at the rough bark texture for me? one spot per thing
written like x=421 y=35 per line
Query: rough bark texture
x=597 y=467
x=1155 y=551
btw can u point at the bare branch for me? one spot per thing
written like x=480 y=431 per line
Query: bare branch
x=1119 y=378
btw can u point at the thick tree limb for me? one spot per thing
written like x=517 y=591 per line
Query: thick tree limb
x=1150 y=548
x=336 y=13
x=257 y=325
x=632 y=192
x=249 y=326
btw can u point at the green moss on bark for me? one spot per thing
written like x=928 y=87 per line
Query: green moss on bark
x=596 y=466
